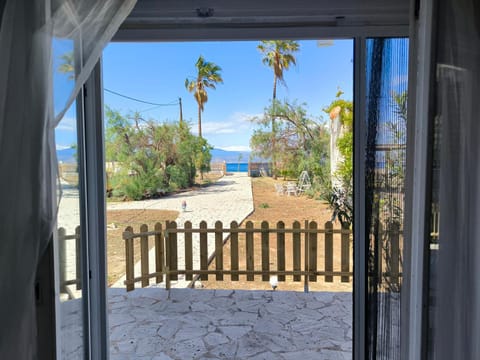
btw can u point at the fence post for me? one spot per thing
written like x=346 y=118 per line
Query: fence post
x=234 y=250
x=265 y=251
x=345 y=252
x=313 y=245
x=173 y=250
x=380 y=252
x=78 y=258
x=328 y=250
x=249 y=249
x=144 y=255
x=394 y=232
x=62 y=249
x=129 y=258
x=159 y=252
x=281 y=249
x=297 y=257
x=307 y=258
x=203 y=250
x=219 y=250
x=188 y=249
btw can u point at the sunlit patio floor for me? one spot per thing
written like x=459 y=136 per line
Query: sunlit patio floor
x=154 y=323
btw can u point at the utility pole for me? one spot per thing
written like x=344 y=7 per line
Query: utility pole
x=181 y=112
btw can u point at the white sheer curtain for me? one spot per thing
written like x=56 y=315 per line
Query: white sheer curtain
x=455 y=287
x=27 y=146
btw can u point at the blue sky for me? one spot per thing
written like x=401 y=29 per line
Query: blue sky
x=156 y=72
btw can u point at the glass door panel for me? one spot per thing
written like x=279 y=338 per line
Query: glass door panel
x=68 y=241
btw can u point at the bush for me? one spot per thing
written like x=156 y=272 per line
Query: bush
x=341 y=203
x=162 y=157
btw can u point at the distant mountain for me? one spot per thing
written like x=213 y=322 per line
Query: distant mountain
x=67 y=155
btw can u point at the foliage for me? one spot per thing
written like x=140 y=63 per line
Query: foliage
x=278 y=55
x=152 y=158
x=393 y=176
x=208 y=75
x=67 y=65
x=339 y=197
x=340 y=201
x=301 y=142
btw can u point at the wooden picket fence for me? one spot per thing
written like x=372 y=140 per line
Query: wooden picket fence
x=65 y=279
x=303 y=263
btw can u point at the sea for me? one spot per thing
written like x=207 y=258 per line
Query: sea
x=237 y=167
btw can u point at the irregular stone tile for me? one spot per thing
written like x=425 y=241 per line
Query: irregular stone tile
x=276 y=342
x=161 y=357
x=168 y=329
x=261 y=295
x=201 y=306
x=224 y=293
x=284 y=296
x=267 y=355
x=127 y=346
x=143 y=301
x=224 y=351
x=231 y=324
x=188 y=349
x=115 y=356
x=181 y=295
x=249 y=345
x=177 y=307
x=120 y=319
x=239 y=318
x=324 y=297
x=234 y=332
x=222 y=302
x=335 y=355
x=119 y=333
x=215 y=339
x=249 y=305
x=303 y=355
x=269 y=325
x=190 y=333
x=146 y=346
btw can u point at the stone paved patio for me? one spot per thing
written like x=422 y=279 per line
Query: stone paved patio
x=153 y=323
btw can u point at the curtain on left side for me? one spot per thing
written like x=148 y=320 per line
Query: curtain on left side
x=28 y=167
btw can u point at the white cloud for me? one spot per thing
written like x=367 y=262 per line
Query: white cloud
x=235 y=148
x=236 y=123
x=67 y=124
x=62 y=147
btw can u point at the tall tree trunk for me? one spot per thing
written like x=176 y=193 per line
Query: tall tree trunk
x=274 y=135
x=199 y=121
x=200 y=133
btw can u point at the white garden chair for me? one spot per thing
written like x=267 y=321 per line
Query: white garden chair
x=291 y=189
x=279 y=189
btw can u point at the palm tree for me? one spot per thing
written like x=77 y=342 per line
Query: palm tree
x=277 y=54
x=208 y=75
x=67 y=65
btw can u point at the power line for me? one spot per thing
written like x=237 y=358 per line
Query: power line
x=172 y=103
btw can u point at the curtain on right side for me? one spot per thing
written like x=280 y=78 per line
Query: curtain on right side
x=453 y=330
x=386 y=124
